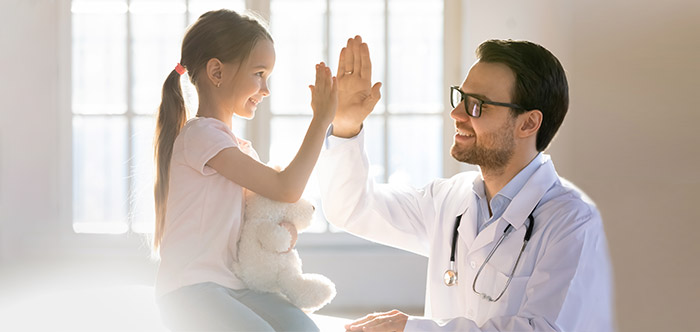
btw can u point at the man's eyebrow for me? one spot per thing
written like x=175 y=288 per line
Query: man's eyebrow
x=261 y=66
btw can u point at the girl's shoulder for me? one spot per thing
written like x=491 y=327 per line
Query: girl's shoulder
x=206 y=130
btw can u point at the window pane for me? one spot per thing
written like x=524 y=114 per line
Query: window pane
x=157 y=28
x=415 y=145
x=287 y=133
x=100 y=174
x=99 y=57
x=415 y=88
x=375 y=146
x=359 y=17
x=199 y=7
x=142 y=175
x=298 y=30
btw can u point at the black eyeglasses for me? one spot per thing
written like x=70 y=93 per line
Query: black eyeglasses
x=473 y=103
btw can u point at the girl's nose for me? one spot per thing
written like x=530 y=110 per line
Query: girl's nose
x=264 y=90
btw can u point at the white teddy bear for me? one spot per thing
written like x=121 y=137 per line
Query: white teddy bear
x=266 y=261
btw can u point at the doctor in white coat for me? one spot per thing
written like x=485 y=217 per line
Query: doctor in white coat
x=513 y=247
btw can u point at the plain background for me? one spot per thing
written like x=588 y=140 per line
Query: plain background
x=630 y=141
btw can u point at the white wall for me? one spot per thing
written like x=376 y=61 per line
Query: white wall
x=29 y=136
x=630 y=139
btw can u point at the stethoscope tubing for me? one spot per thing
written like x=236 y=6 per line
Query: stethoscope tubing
x=452 y=280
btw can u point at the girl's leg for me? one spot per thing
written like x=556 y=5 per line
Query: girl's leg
x=276 y=310
x=208 y=307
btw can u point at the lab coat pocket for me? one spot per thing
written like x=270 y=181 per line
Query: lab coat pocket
x=513 y=297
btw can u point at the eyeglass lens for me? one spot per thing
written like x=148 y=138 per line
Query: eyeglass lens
x=471 y=105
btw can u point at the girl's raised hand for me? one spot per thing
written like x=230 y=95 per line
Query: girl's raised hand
x=324 y=95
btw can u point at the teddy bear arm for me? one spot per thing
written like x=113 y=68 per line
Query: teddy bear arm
x=274 y=237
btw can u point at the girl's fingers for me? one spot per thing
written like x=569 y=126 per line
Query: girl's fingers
x=318 y=73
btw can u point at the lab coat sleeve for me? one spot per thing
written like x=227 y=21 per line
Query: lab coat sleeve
x=569 y=289
x=351 y=201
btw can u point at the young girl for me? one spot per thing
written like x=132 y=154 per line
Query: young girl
x=202 y=168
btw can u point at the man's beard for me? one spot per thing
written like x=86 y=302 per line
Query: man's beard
x=491 y=151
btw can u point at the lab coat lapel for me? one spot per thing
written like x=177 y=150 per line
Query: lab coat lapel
x=518 y=210
x=527 y=199
x=467 y=227
x=487 y=235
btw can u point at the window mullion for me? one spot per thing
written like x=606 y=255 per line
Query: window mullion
x=258 y=129
x=452 y=71
x=327 y=32
x=387 y=114
x=130 y=187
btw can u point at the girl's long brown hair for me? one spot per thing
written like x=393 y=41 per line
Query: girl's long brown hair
x=221 y=34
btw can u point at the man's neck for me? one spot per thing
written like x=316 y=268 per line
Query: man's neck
x=496 y=179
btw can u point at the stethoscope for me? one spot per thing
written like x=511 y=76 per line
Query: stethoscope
x=451 y=274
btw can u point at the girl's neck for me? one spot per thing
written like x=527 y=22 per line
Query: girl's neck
x=207 y=110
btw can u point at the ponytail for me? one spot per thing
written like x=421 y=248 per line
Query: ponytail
x=171 y=117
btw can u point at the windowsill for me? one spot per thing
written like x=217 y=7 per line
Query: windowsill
x=333 y=240
x=137 y=245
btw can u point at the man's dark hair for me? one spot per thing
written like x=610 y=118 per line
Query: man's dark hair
x=540 y=81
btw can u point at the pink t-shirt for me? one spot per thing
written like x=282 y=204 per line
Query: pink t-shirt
x=204 y=211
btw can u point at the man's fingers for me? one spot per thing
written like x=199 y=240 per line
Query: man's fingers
x=360 y=321
x=365 y=62
x=341 y=63
x=349 y=56
x=374 y=95
x=356 y=55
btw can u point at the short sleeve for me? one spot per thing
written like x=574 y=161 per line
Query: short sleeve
x=203 y=141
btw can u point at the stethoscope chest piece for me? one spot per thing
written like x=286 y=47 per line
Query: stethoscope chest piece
x=450 y=277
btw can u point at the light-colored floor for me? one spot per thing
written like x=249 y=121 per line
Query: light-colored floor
x=115 y=308
x=105 y=294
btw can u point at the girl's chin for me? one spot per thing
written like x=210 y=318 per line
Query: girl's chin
x=246 y=113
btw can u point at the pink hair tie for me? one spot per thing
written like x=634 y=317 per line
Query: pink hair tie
x=180 y=69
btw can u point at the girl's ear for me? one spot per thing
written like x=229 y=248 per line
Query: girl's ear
x=214 y=71
x=530 y=123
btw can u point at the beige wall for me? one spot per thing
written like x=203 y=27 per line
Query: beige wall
x=635 y=90
x=631 y=137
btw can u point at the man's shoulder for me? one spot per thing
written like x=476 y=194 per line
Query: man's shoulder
x=460 y=180
x=565 y=200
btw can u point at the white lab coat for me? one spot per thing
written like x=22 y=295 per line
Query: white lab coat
x=562 y=283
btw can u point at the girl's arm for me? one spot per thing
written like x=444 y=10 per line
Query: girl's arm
x=288 y=184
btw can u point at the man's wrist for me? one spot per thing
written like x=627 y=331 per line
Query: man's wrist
x=345 y=131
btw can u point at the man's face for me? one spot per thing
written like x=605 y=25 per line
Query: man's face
x=487 y=141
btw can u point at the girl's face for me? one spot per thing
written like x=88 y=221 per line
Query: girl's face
x=248 y=86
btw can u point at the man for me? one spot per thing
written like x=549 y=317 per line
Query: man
x=513 y=247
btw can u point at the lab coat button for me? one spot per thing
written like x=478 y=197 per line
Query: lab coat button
x=473 y=264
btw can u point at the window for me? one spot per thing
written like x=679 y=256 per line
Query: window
x=122 y=51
